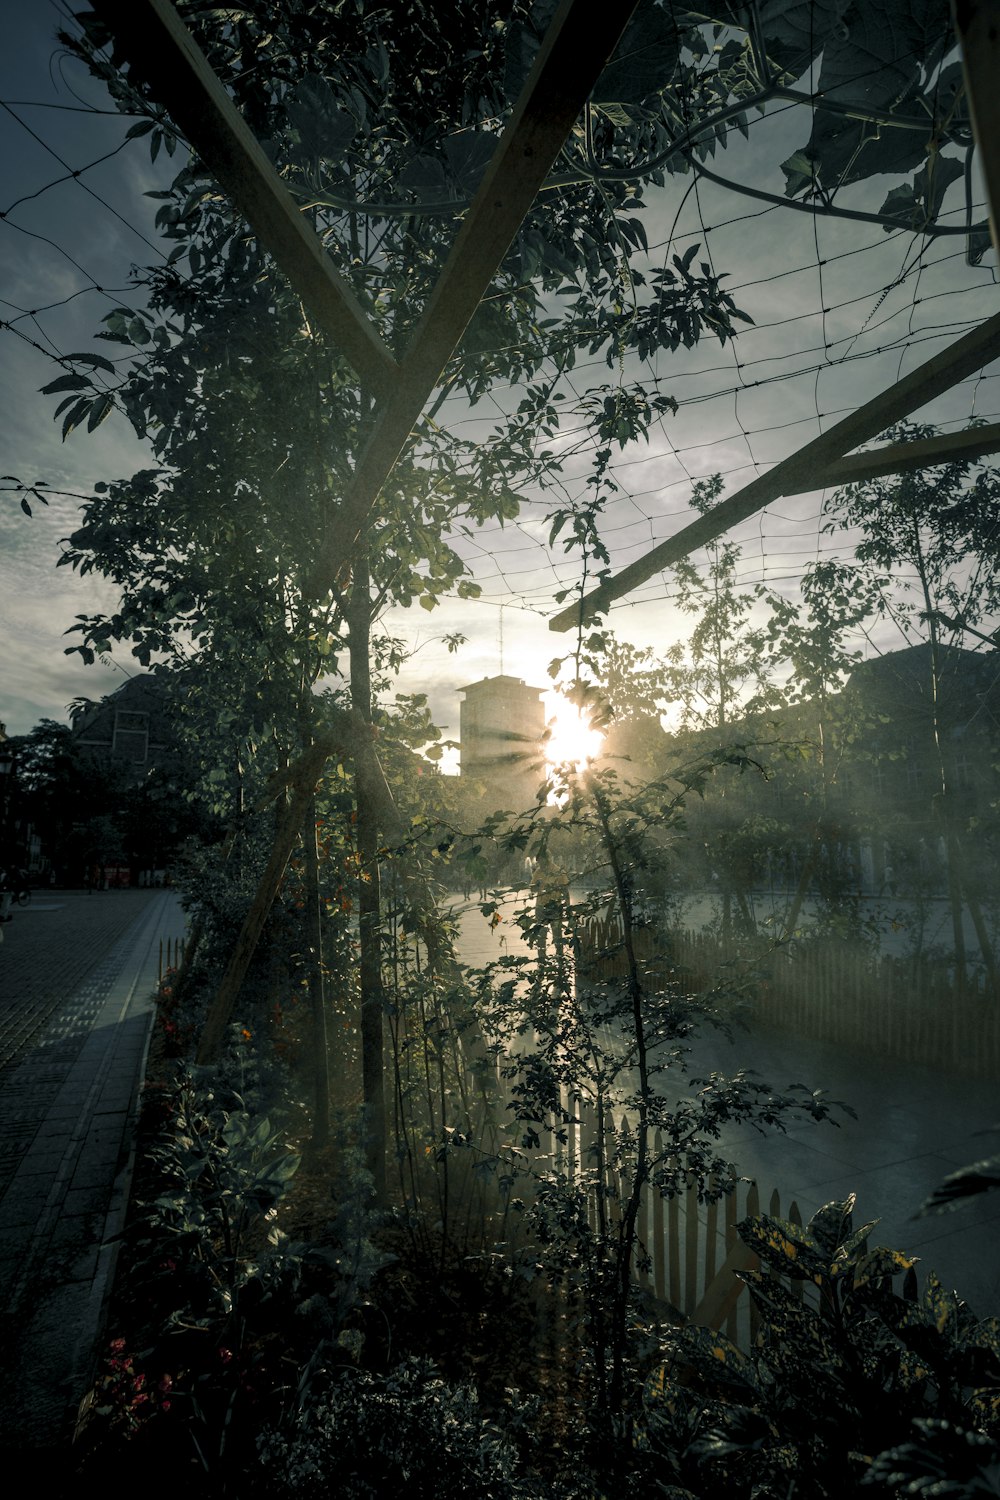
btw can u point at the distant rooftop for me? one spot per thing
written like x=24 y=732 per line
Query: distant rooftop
x=501 y=680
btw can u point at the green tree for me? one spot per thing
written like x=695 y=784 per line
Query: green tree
x=721 y=681
x=722 y=673
x=925 y=543
x=257 y=424
x=816 y=642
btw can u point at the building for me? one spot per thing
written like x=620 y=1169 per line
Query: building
x=501 y=732
x=127 y=729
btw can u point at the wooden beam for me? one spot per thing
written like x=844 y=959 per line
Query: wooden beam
x=581 y=37
x=161 y=49
x=977 y=23
x=922 y=453
x=802 y=471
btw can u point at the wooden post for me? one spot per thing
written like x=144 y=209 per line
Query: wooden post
x=317 y=982
x=221 y=1008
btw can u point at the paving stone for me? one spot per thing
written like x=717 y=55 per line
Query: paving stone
x=74 y=1016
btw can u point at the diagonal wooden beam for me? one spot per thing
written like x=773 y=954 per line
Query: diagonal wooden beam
x=802 y=471
x=581 y=37
x=922 y=453
x=161 y=49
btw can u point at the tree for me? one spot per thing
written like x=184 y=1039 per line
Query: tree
x=816 y=641
x=722 y=672
x=256 y=423
x=720 y=680
x=928 y=552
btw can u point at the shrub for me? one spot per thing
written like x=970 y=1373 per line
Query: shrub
x=851 y=1387
x=376 y=1435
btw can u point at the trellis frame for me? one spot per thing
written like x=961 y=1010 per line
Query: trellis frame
x=580 y=39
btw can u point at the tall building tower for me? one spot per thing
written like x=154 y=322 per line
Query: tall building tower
x=501 y=729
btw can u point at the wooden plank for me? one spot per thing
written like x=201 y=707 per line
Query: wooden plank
x=673 y=1207
x=720 y=1299
x=642 y=1233
x=711 y=1235
x=581 y=37
x=977 y=23
x=161 y=49
x=692 y=1258
x=922 y=453
x=802 y=471
x=733 y=1245
x=659 y=1209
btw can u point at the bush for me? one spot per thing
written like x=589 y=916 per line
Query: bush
x=852 y=1387
x=377 y=1435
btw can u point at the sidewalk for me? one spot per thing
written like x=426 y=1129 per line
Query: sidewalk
x=66 y=1112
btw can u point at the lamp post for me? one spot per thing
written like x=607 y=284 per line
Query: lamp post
x=6 y=772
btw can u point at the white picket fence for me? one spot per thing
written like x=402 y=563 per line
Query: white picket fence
x=687 y=1252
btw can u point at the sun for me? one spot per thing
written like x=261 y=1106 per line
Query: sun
x=571 y=737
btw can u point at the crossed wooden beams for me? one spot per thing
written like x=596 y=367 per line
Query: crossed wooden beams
x=827 y=460
x=581 y=37
x=823 y=462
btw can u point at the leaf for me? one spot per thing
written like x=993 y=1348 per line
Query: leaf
x=799 y=27
x=830 y=1225
x=707 y=1352
x=66 y=383
x=784 y=1246
x=142 y=127
x=74 y=416
x=919 y=203
x=97 y=361
x=800 y=172
x=880 y=1263
x=968 y=1182
x=645 y=59
x=99 y=410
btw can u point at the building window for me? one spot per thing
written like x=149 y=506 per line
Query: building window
x=131 y=737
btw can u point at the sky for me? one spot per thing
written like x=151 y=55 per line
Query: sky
x=840 y=311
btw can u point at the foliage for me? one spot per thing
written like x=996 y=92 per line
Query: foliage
x=851 y=1387
x=611 y=1044
x=366 y=1435
x=723 y=671
x=937 y=524
x=968 y=1182
x=93 y=810
x=222 y=1172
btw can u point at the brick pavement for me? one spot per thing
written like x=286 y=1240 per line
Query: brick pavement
x=48 y=951
x=86 y=973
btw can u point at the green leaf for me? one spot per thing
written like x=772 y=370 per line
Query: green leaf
x=784 y=1246
x=800 y=173
x=99 y=410
x=980 y=1177
x=830 y=1226
x=74 y=416
x=644 y=60
x=66 y=383
x=97 y=361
